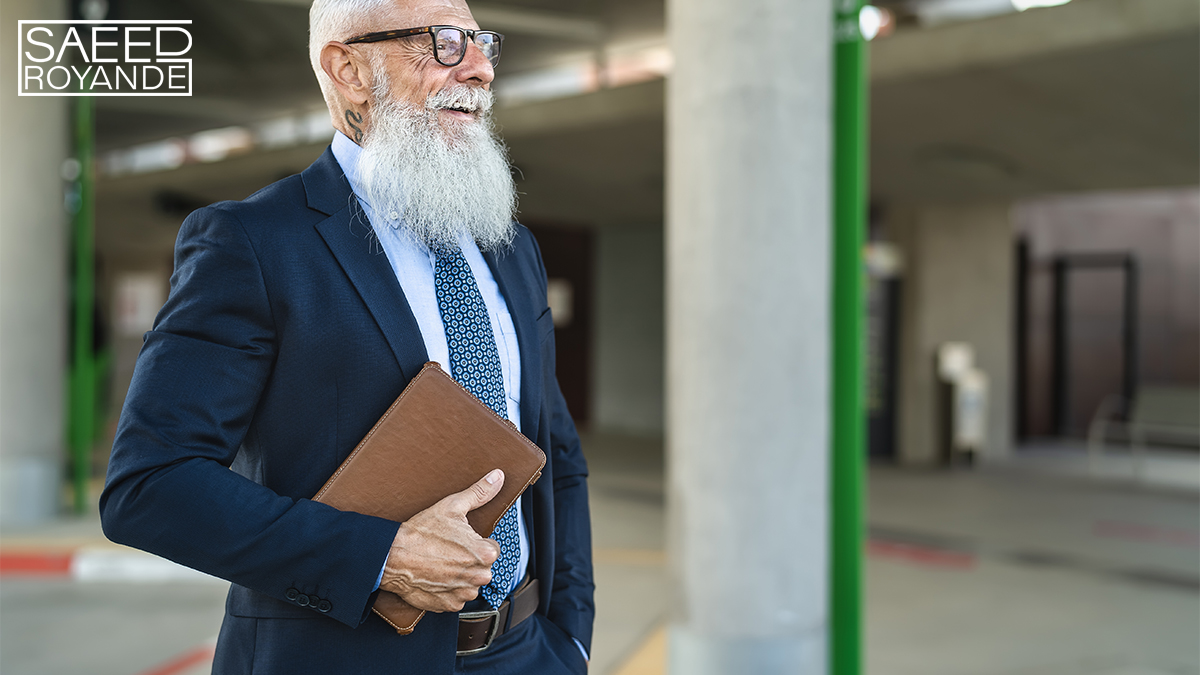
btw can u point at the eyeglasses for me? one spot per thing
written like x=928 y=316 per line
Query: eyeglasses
x=449 y=42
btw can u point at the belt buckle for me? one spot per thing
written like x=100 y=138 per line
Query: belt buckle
x=495 y=616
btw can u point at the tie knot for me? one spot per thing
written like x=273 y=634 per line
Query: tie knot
x=451 y=260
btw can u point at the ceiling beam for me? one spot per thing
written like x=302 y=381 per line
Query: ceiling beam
x=606 y=107
x=518 y=20
x=506 y=18
x=1000 y=40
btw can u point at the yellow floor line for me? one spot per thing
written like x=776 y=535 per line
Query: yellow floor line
x=650 y=658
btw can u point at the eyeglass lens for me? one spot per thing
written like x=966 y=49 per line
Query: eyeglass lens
x=450 y=46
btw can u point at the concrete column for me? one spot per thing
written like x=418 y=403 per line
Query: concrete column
x=33 y=284
x=747 y=248
x=958 y=286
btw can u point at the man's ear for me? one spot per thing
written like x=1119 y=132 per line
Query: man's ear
x=344 y=68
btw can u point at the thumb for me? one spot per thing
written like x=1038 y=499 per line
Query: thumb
x=478 y=494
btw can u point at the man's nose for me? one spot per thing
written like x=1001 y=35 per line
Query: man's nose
x=475 y=66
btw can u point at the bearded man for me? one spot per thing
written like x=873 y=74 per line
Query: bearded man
x=298 y=315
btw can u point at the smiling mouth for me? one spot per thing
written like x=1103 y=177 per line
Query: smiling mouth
x=460 y=110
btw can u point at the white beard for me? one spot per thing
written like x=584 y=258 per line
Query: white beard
x=441 y=186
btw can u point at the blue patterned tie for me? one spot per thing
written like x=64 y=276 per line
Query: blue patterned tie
x=475 y=363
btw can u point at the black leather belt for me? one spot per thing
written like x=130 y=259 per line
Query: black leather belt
x=477 y=630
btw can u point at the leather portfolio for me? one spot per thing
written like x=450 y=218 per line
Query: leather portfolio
x=436 y=439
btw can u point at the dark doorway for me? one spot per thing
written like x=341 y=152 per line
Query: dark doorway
x=567 y=254
x=883 y=341
x=1095 y=335
x=1021 y=427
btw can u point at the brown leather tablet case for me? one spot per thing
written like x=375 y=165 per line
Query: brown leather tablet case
x=435 y=439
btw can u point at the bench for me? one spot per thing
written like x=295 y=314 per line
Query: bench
x=1159 y=415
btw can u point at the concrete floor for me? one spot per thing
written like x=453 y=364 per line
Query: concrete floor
x=984 y=572
x=1064 y=577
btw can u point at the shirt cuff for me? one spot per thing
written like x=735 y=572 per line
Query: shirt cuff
x=381 y=571
x=581 y=649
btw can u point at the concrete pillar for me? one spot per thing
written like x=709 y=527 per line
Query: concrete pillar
x=958 y=286
x=747 y=248
x=33 y=285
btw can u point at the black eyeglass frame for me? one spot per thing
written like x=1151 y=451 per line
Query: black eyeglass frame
x=432 y=32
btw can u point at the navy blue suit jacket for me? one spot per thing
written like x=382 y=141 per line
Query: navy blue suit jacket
x=285 y=336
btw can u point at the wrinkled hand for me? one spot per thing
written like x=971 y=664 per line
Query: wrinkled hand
x=437 y=561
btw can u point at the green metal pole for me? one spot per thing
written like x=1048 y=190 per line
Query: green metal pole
x=849 y=419
x=83 y=368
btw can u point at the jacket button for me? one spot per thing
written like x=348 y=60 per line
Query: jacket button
x=292 y=594
x=302 y=600
x=324 y=606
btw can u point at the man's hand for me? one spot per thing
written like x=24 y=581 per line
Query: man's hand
x=437 y=561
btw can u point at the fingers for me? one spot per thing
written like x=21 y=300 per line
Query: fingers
x=490 y=555
x=437 y=561
x=446 y=593
x=481 y=578
x=441 y=602
x=477 y=495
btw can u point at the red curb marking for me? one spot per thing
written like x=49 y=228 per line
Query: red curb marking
x=189 y=659
x=921 y=556
x=1146 y=533
x=35 y=564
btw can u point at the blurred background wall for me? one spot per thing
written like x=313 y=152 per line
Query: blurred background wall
x=1003 y=143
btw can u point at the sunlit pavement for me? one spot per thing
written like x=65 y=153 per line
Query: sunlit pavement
x=984 y=572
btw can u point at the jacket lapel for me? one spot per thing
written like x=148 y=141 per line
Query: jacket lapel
x=520 y=306
x=349 y=237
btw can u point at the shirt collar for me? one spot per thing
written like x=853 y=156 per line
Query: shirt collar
x=348 y=153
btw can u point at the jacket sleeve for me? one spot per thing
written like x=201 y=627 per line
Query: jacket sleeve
x=195 y=387
x=571 y=603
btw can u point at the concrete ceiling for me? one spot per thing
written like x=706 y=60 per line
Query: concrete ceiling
x=1125 y=116
x=251 y=57
x=1052 y=114
x=1094 y=95
x=592 y=160
x=250 y=62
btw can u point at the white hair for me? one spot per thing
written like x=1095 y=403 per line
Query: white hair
x=336 y=20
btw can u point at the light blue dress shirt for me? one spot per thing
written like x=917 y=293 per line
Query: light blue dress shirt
x=413 y=264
